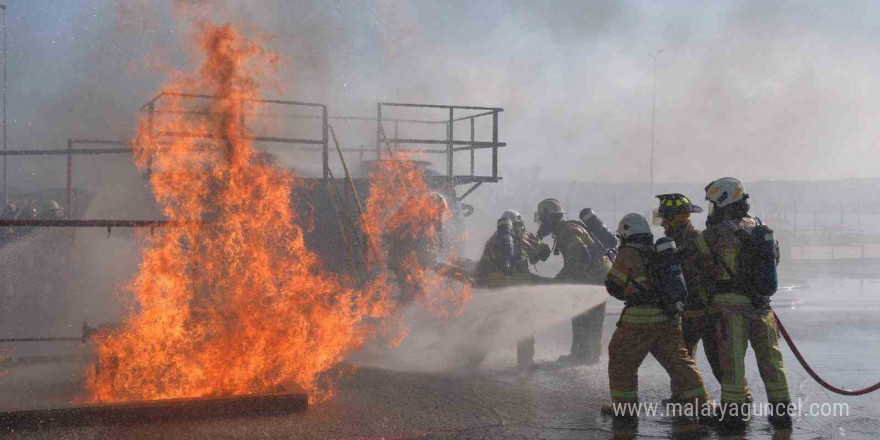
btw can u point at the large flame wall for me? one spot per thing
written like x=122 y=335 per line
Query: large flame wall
x=235 y=302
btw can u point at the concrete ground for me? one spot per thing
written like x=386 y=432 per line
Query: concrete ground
x=834 y=322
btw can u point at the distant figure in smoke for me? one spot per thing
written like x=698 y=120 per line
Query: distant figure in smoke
x=10 y=212
x=50 y=210
x=414 y=240
x=580 y=266
x=28 y=211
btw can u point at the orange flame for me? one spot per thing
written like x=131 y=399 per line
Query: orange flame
x=411 y=233
x=237 y=305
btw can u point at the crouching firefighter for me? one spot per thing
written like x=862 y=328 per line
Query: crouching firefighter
x=505 y=261
x=580 y=266
x=649 y=281
x=745 y=255
x=509 y=252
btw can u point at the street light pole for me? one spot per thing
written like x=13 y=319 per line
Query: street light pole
x=654 y=55
x=5 y=48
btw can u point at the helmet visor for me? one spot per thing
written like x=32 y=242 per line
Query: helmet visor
x=656 y=218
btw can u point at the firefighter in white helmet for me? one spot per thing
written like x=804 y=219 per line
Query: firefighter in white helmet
x=509 y=252
x=740 y=304
x=644 y=326
x=572 y=240
x=505 y=261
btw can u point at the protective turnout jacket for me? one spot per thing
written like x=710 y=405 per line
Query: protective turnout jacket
x=580 y=265
x=696 y=265
x=493 y=258
x=723 y=250
x=629 y=282
x=742 y=319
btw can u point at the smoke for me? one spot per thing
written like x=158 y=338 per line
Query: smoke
x=492 y=324
x=754 y=89
x=758 y=84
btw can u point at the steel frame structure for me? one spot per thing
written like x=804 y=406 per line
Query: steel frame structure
x=80 y=146
x=452 y=145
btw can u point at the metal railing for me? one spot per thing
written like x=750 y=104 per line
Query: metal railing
x=150 y=107
x=78 y=146
x=452 y=145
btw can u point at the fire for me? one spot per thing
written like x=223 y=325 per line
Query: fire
x=234 y=302
x=405 y=218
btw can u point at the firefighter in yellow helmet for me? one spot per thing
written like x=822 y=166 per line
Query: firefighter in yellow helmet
x=645 y=325
x=580 y=265
x=674 y=215
x=740 y=303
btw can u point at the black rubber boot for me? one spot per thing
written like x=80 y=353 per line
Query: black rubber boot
x=525 y=353
x=586 y=337
x=730 y=419
x=780 y=417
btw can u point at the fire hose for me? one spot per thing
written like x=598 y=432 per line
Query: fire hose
x=812 y=373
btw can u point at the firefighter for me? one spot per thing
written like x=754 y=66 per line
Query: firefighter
x=505 y=260
x=9 y=211
x=674 y=214
x=572 y=240
x=414 y=240
x=739 y=314
x=50 y=210
x=509 y=252
x=644 y=326
x=28 y=211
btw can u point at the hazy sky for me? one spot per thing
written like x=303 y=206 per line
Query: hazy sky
x=756 y=89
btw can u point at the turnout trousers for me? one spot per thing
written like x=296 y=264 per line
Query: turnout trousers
x=586 y=335
x=738 y=324
x=695 y=327
x=643 y=330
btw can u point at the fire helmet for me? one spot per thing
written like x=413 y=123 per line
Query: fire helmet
x=725 y=191
x=674 y=204
x=512 y=215
x=51 y=205
x=632 y=224
x=547 y=208
x=440 y=201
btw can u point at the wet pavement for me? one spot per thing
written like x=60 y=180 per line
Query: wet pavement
x=834 y=323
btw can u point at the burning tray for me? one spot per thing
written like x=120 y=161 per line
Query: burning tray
x=156 y=411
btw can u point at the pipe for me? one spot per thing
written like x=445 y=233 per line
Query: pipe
x=40 y=223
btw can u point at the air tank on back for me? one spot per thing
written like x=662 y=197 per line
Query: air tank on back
x=669 y=277
x=598 y=229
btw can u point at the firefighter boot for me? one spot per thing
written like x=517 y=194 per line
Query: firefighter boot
x=586 y=337
x=525 y=353
x=780 y=416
